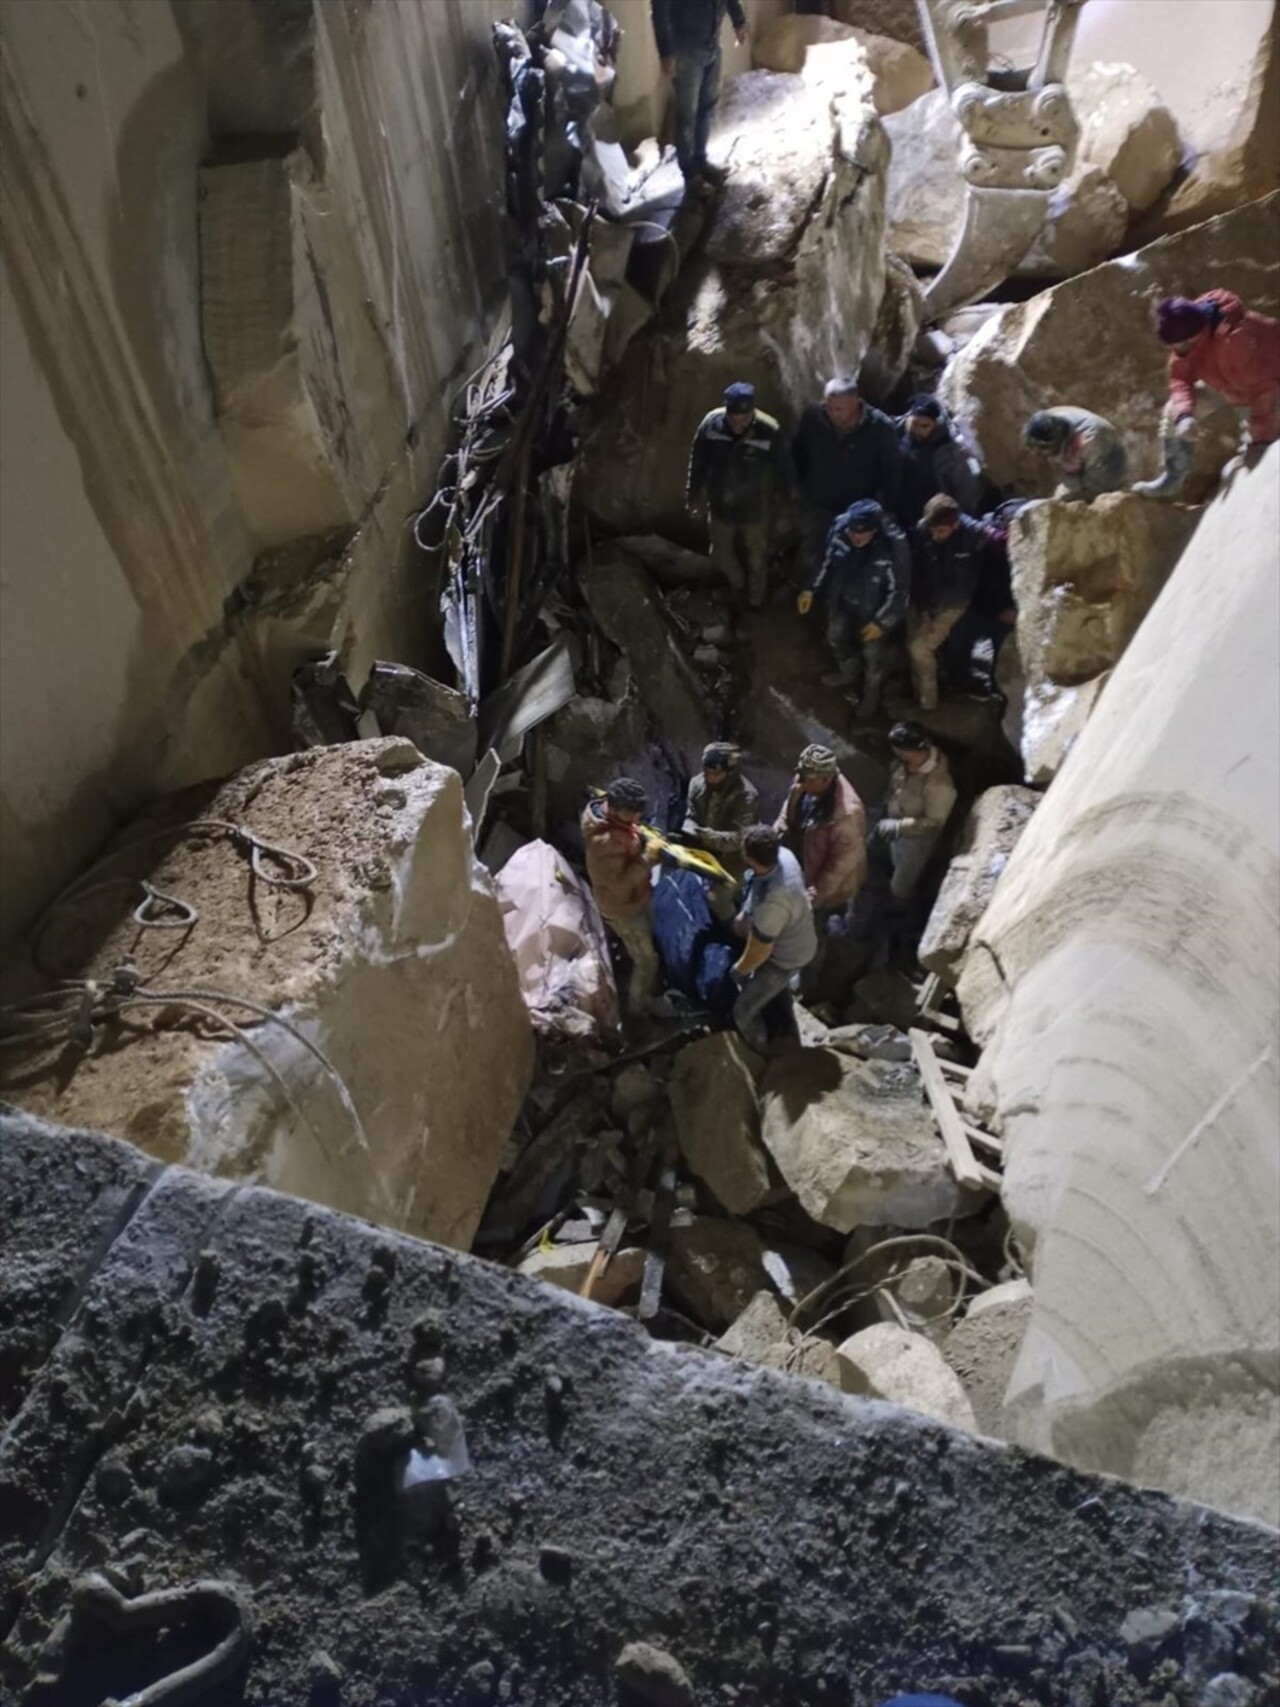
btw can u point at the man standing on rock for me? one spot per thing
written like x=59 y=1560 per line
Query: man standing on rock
x=740 y=470
x=619 y=866
x=1090 y=455
x=843 y=451
x=688 y=36
x=720 y=806
x=1217 y=342
x=933 y=461
x=865 y=578
x=777 y=921
x=949 y=564
x=921 y=795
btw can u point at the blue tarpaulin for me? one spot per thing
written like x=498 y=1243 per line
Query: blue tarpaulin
x=695 y=950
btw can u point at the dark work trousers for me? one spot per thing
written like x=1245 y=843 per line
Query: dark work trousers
x=695 y=90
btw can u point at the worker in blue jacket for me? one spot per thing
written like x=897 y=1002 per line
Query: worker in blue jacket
x=866 y=581
x=688 y=36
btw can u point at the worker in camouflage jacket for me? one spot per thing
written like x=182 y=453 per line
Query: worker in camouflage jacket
x=1089 y=452
x=740 y=474
x=865 y=580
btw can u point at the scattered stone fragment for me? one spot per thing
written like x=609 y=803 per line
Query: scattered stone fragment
x=887 y=1362
x=651 y=1677
x=568 y=1266
x=715 y=1268
x=186 y=1474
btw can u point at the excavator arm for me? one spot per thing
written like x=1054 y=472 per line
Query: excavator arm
x=1019 y=136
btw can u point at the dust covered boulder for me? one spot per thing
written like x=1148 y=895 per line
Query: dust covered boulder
x=803 y=41
x=407 y=1051
x=1090 y=341
x=715 y=1268
x=887 y=1362
x=1085 y=575
x=856 y=1141
x=717 y=1116
x=996 y=820
x=1126 y=131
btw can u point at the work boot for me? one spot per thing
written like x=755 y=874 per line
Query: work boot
x=1169 y=482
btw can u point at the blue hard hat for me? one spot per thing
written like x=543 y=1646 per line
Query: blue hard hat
x=865 y=516
x=740 y=397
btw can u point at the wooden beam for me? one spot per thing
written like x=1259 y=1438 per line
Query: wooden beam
x=964 y=1165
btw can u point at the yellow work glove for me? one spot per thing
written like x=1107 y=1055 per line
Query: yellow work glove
x=804 y=603
x=872 y=631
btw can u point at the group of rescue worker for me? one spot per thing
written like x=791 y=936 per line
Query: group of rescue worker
x=790 y=879
x=889 y=509
x=889 y=537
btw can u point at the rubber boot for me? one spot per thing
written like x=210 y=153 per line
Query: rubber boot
x=1178 y=455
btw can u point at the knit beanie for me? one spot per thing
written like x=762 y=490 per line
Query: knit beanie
x=817 y=761
x=720 y=756
x=1178 y=319
x=863 y=517
x=1045 y=431
x=925 y=404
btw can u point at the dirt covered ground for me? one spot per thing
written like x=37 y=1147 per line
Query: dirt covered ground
x=210 y=1382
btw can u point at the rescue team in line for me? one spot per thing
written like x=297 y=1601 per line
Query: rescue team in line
x=888 y=538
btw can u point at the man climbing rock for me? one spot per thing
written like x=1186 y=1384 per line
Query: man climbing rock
x=921 y=795
x=949 y=562
x=843 y=451
x=974 y=644
x=777 y=922
x=688 y=36
x=865 y=578
x=1218 y=343
x=933 y=461
x=1090 y=456
x=619 y=867
x=740 y=471
x=823 y=816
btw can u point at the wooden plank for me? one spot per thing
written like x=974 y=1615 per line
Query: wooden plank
x=954 y=1068
x=978 y=1136
x=964 y=1166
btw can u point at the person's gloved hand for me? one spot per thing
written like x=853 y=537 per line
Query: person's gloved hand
x=888 y=828
x=804 y=603
x=871 y=631
x=1186 y=427
x=737 y=974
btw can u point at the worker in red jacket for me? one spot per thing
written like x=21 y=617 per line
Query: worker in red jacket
x=1217 y=342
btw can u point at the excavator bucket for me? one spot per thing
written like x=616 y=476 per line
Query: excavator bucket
x=1019 y=136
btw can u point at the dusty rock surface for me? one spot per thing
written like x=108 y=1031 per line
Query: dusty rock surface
x=785 y=289
x=569 y=1265
x=1136 y=928
x=856 y=1142
x=991 y=831
x=184 y=1316
x=801 y=41
x=393 y=965
x=717 y=1116
x=715 y=1268
x=760 y=1335
x=1090 y=341
x=1126 y=131
x=1084 y=577
x=887 y=1362
x=982 y=1350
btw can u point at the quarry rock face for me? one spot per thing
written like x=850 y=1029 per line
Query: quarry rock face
x=242 y=1358
x=1136 y=928
x=856 y=1142
x=991 y=831
x=392 y=965
x=785 y=291
x=1090 y=341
